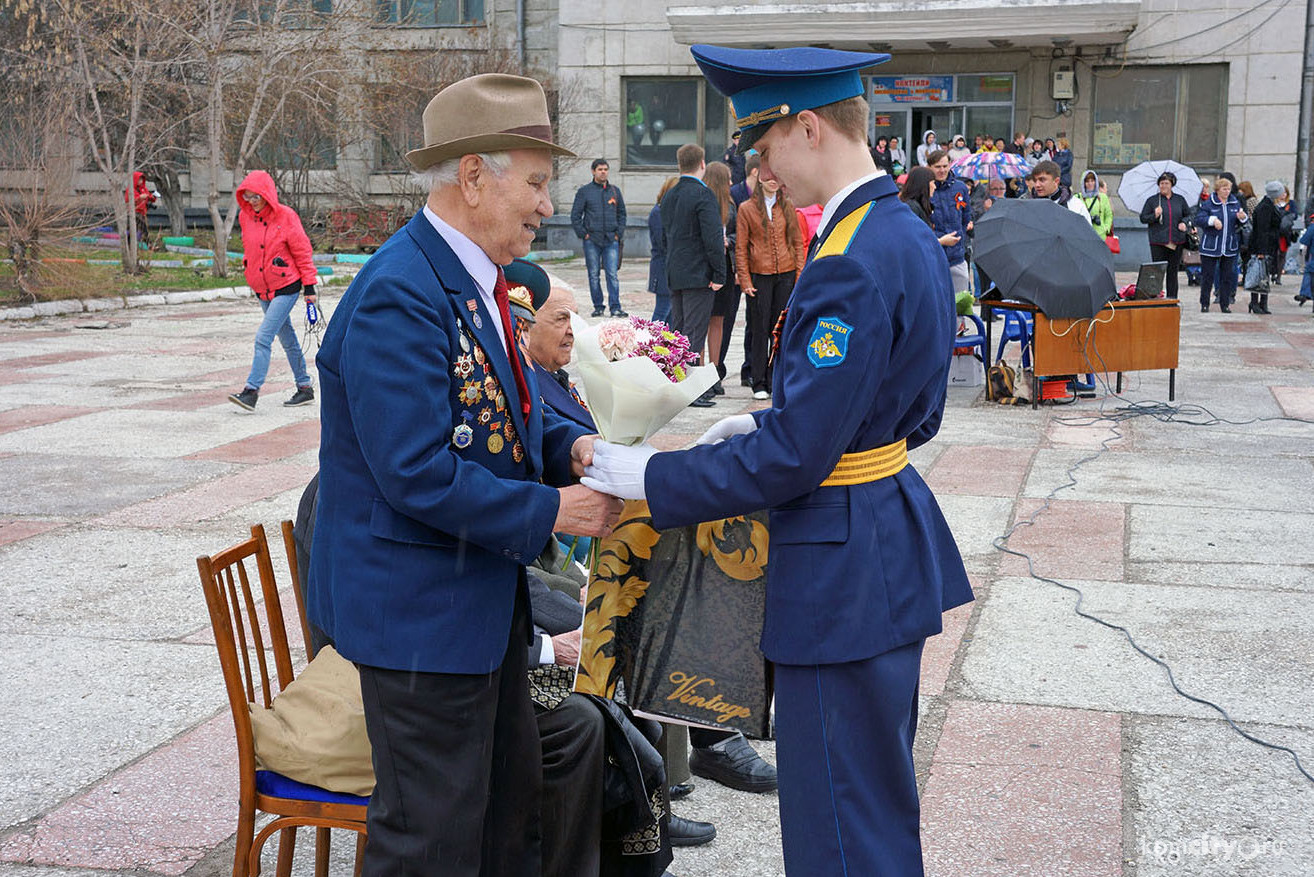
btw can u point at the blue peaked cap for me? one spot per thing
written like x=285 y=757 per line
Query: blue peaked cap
x=766 y=85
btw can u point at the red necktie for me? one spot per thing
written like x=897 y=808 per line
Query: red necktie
x=504 y=310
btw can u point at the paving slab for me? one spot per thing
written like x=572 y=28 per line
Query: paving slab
x=1220 y=546
x=144 y=583
x=144 y=434
x=1209 y=804
x=979 y=470
x=1185 y=479
x=83 y=486
x=104 y=827
x=1024 y=790
x=1030 y=647
x=214 y=498
x=975 y=522
x=91 y=705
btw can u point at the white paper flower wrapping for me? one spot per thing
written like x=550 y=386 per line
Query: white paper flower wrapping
x=631 y=399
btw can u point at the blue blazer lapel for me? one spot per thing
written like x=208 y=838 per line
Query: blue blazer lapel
x=558 y=398
x=470 y=307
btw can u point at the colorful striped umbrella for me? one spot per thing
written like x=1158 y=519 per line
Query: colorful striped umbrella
x=988 y=165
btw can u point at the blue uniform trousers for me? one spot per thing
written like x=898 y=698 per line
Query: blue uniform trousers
x=848 y=791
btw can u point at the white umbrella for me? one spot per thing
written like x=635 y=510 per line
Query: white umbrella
x=1142 y=181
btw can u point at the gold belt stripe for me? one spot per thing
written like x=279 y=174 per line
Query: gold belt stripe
x=866 y=466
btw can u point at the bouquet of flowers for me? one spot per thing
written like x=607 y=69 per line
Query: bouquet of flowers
x=637 y=375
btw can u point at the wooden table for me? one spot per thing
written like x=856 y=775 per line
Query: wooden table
x=1126 y=336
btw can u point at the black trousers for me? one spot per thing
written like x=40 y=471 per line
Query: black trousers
x=457 y=767
x=746 y=370
x=1173 y=256
x=691 y=309
x=772 y=295
x=574 y=747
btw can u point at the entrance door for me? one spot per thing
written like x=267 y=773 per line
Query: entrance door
x=945 y=121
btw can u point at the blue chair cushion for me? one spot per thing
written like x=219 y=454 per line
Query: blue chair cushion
x=276 y=785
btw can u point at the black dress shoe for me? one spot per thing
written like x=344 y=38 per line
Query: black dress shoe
x=689 y=833
x=619 y=313
x=1225 y=309
x=680 y=790
x=597 y=312
x=717 y=389
x=703 y=401
x=734 y=763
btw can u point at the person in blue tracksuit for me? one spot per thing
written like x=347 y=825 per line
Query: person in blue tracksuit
x=862 y=561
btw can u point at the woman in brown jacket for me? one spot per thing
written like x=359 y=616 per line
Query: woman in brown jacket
x=769 y=256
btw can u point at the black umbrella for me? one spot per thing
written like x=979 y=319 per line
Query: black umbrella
x=1040 y=252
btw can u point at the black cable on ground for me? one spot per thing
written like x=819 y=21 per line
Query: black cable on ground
x=1165 y=412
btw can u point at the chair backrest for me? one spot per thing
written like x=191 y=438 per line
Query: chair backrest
x=290 y=545
x=248 y=627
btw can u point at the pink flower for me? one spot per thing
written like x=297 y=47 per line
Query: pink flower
x=616 y=338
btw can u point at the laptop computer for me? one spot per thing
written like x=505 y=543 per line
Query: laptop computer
x=1150 y=279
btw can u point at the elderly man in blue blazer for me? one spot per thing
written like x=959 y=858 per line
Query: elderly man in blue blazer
x=441 y=476
x=862 y=560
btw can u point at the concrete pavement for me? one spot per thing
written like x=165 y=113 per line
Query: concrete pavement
x=1047 y=746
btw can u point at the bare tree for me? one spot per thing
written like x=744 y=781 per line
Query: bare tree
x=120 y=59
x=39 y=207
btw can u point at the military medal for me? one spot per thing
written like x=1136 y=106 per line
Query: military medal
x=479 y=324
x=470 y=305
x=509 y=430
x=495 y=443
x=465 y=343
x=463 y=435
x=464 y=366
x=517 y=452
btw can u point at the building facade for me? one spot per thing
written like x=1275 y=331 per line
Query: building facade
x=1211 y=83
x=1215 y=84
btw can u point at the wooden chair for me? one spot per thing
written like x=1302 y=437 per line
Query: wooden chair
x=246 y=641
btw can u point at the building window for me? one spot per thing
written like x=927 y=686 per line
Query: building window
x=431 y=13
x=295 y=13
x=1145 y=113
x=661 y=115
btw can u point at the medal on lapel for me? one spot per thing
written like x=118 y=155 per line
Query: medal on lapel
x=463 y=435
x=465 y=343
x=495 y=443
x=479 y=323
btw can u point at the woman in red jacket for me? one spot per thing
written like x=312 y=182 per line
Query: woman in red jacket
x=279 y=264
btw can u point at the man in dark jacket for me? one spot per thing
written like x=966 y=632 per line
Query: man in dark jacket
x=735 y=159
x=695 y=251
x=598 y=218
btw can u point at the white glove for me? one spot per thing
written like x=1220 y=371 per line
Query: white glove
x=728 y=427
x=618 y=470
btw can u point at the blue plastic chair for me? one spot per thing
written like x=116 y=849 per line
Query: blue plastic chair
x=1019 y=327
x=977 y=340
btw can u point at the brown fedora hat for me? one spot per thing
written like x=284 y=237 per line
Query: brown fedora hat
x=491 y=112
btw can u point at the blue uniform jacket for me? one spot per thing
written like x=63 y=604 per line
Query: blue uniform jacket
x=430 y=499
x=1225 y=241
x=951 y=211
x=853 y=571
x=558 y=399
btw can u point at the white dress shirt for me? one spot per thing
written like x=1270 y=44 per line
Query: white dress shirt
x=475 y=262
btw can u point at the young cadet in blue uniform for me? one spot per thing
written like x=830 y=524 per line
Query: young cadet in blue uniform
x=441 y=477
x=862 y=561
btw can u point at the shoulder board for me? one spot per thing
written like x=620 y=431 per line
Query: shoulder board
x=838 y=241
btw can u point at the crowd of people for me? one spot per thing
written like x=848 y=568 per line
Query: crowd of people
x=720 y=235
